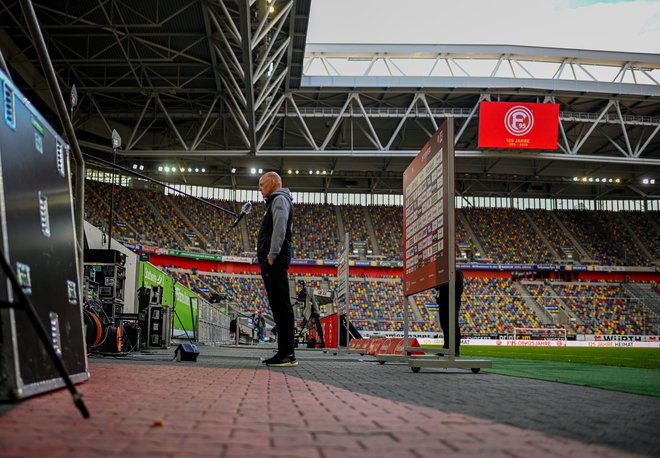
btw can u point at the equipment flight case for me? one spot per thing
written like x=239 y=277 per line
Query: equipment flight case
x=37 y=238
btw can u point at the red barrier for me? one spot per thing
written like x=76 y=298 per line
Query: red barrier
x=330 y=324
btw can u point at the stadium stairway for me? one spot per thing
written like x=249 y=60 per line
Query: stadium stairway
x=159 y=216
x=541 y=235
x=650 y=298
x=460 y=215
x=245 y=238
x=340 y=224
x=541 y=313
x=633 y=236
x=115 y=210
x=576 y=245
x=188 y=223
x=417 y=314
x=370 y=228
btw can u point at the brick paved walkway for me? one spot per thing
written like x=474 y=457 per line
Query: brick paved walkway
x=228 y=404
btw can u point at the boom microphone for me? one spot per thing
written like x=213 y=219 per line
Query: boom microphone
x=247 y=208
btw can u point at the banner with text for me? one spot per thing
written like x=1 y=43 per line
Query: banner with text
x=518 y=125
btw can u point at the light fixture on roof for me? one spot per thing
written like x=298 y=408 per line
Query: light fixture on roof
x=297 y=172
x=289 y=171
x=134 y=166
x=253 y=170
x=591 y=179
x=597 y=180
x=610 y=180
x=203 y=170
x=233 y=170
x=324 y=172
x=261 y=170
x=617 y=180
x=189 y=169
x=311 y=172
x=160 y=168
x=645 y=181
x=167 y=169
x=182 y=169
x=196 y=170
x=584 y=178
x=576 y=179
x=141 y=167
x=317 y=172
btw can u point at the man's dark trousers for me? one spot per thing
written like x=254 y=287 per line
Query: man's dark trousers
x=276 y=282
x=443 y=309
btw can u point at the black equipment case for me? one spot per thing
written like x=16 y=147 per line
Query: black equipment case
x=37 y=237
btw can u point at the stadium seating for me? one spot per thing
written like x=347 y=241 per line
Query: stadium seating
x=388 y=235
x=605 y=308
x=507 y=236
x=355 y=223
x=315 y=232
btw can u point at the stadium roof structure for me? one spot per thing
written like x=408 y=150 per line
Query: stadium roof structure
x=233 y=85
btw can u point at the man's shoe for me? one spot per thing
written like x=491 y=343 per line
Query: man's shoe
x=275 y=357
x=282 y=361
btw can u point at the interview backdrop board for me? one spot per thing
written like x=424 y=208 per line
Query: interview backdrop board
x=38 y=240
x=428 y=214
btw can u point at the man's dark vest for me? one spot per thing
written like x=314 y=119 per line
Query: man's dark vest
x=266 y=233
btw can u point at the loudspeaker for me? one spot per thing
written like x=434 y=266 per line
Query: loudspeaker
x=186 y=352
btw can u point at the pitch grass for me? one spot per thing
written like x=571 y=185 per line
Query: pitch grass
x=630 y=370
x=643 y=358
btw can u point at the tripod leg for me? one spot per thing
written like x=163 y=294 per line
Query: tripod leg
x=43 y=336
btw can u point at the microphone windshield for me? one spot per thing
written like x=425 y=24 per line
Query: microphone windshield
x=247 y=207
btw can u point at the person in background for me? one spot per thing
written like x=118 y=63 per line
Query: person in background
x=274 y=247
x=311 y=312
x=443 y=310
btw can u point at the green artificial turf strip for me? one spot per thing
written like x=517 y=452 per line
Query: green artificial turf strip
x=645 y=358
x=625 y=379
x=630 y=370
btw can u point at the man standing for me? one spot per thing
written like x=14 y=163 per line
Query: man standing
x=274 y=255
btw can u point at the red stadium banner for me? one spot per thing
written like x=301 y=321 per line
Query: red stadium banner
x=518 y=125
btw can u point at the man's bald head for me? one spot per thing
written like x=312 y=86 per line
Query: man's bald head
x=269 y=183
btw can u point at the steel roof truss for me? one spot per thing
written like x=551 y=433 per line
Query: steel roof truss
x=375 y=140
x=171 y=123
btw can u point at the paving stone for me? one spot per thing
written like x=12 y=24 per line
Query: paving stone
x=231 y=405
